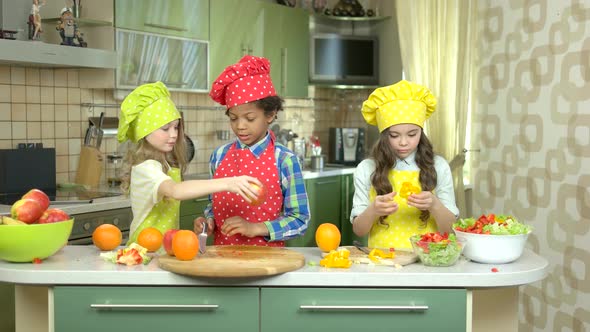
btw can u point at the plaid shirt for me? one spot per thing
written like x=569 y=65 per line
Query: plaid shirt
x=295 y=216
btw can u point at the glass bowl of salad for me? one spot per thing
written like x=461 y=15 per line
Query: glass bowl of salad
x=436 y=249
x=492 y=239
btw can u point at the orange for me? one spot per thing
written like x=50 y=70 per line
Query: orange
x=327 y=237
x=107 y=237
x=185 y=245
x=150 y=238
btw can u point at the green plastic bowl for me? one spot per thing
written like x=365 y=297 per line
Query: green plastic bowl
x=24 y=243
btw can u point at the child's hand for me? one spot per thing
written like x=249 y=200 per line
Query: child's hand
x=422 y=201
x=384 y=205
x=238 y=225
x=242 y=185
x=198 y=225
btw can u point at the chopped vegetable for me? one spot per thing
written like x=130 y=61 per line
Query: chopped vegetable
x=377 y=254
x=435 y=249
x=37 y=261
x=495 y=269
x=337 y=258
x=132 y=255
x=493 y=225
x=408 y=189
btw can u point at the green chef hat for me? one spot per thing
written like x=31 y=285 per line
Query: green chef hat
x=144 y=110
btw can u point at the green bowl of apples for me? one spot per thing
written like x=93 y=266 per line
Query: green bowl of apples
x=22 y=243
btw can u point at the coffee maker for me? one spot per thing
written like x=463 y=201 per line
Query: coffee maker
x=347 y=146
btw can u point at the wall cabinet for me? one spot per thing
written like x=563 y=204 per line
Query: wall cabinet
x=155 y=309
x=276 y=32
x=180 y=63
x=181 y=18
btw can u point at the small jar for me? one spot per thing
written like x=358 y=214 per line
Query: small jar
x=114 y=170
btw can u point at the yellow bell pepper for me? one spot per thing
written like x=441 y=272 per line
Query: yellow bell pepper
x=408 y=189
x=337 y=258
x=377 y=254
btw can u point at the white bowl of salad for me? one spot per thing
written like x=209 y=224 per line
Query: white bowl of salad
x=436 y=249
x=492 y=239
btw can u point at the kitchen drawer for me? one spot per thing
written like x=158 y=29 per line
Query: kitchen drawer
x=155 y=309
x=345 y=309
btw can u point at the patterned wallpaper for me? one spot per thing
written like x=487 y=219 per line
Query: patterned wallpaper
x=533 y=129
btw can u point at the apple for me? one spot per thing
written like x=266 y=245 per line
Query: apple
x=53 y=215
x=260 y=194
x=39 y=196
x=26 y=210
x=168 y=241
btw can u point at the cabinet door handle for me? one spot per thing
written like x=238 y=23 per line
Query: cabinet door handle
x=166 y=27
x=319 y=183
x=394 y=308
x=155 y=306
x=284 y=65
x=206 y=199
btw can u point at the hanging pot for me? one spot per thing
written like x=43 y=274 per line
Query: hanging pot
x=190 y=149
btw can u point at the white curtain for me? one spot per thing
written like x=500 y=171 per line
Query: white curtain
x=438 y=47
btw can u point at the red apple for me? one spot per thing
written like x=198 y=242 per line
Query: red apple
x=168 y=241
x=26 y=210
x=39 y=196
x=53 y=215
x=260 y=194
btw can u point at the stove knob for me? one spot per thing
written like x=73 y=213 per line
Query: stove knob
x=86 y=226
x=116 y=221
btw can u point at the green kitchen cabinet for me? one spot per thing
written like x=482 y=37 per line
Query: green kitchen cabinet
x=258 y=28
x=181 y=18
x=190 y=209
x=287 y=48
x=324 y=204
x=346 y=309
x=157 y=309
x=347 y=195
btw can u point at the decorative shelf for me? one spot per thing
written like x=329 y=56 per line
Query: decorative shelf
x=82 y=22
x=352 y=18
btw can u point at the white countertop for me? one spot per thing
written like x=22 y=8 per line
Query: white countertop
x=81 y=265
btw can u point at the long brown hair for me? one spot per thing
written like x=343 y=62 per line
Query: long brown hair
x=143 y=150
x=384 y=157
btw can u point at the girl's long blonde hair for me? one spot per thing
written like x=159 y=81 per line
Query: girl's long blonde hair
x=143 y=150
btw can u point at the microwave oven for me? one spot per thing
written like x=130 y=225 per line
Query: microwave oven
x=344 y=60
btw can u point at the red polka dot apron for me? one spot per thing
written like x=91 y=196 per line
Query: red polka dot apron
x=227 y=204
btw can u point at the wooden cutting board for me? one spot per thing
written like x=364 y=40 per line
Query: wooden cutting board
x=402 y=257
x=236 y=261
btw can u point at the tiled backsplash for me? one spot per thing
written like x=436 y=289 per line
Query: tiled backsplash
x=48 y=106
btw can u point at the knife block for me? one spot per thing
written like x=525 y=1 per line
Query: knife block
x=90 y=166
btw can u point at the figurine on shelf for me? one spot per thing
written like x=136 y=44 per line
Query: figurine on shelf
x=68 y=29
x=35 y=20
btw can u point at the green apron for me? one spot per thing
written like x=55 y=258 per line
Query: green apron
x=405 y=222
x=164 y=215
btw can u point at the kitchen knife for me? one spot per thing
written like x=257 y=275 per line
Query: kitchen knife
x=87 y=136
x=360 y=247
x=100 y=131
x=203 y=239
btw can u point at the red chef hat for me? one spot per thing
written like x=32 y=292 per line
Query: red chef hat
x=243 y=82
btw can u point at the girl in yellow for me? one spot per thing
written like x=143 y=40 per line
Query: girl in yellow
x=150 y=119
x=403 y=189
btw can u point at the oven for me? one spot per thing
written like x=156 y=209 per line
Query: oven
x=86 y=223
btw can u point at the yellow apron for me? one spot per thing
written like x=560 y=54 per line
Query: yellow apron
x=405 y=222
x=164 y=215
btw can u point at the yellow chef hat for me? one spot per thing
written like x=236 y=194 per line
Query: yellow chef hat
x=403 y=102
x=144 y=110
